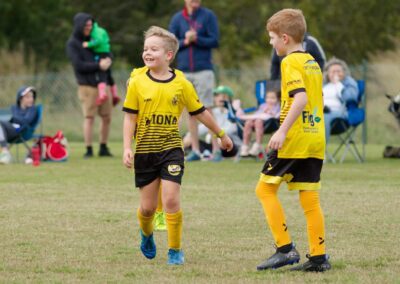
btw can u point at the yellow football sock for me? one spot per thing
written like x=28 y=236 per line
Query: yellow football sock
x=159 y=205
x=315 y=221
x=174 y=226
x=268 y=196
x=145 y=223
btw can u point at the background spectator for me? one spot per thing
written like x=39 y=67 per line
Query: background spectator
x=339 y=88
x=222 y=94
x=266 y=111
x=196 y=28
x=100 y=44
x=24 y=114
x=85 y=69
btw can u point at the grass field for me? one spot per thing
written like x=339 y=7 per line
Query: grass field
x=75 y=222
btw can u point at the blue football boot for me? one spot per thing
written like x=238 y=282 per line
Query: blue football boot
x=148 y=246
x=175 y=257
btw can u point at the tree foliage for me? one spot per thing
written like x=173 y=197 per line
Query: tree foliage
x=349 y=29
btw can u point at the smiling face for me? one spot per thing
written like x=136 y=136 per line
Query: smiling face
x=278 y=43
x=155 y=56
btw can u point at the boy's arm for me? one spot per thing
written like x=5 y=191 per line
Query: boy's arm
x=299 y=102
x=129 y=129
x=206 y=118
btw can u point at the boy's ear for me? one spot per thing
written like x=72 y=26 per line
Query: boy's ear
x=285 y=38
x=170 y=55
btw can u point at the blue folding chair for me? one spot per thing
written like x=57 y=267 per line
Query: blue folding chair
x=30 y=132
x=345 y=129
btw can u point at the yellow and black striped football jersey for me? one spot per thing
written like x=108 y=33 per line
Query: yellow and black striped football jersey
x=306 y=137
x=159 y=104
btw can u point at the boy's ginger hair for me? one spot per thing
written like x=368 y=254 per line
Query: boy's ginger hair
x=290 y=22
x=170 y=40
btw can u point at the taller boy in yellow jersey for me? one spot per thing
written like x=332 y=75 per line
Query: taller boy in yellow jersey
x=156 y=96
x=297 y=147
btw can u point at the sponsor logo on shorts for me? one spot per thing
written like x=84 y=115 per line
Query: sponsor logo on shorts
x=174 y=170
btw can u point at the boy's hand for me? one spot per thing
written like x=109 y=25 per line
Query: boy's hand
x=85 y=44
x=226 y=143
x=128 y=158
x=276 y=141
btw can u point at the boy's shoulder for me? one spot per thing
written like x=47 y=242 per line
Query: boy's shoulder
x=138 y=72
x=298 y=59
x=179 y=74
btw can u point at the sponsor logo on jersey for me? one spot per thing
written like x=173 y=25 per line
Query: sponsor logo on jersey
x=162 y=119
x=311 y=118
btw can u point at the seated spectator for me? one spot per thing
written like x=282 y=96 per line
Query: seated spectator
x=24 y=114
x=339 y=88
x=222 y=94
x=269 y=109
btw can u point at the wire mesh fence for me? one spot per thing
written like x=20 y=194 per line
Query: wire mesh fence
x=57 y=92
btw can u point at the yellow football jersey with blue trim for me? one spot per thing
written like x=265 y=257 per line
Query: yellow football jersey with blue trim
x=306 y=137
x=159 y=104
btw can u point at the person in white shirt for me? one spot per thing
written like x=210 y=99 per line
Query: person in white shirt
x=339 y=88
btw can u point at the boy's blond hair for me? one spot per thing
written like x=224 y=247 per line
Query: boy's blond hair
x=170 y=40
x=290 y=22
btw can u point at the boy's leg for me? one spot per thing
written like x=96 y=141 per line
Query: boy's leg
x=285 y=253
x=145 y=214
x=174 y=218
x=159 y=219
x=318 y=260
x=268 y=196
x=315 y=221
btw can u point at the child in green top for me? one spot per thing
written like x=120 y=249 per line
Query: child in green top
x=100 y=44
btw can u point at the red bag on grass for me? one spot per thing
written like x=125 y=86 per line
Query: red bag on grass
x=55 y=148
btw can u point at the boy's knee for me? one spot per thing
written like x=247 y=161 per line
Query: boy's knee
x=171 y=203
x=264 y=189
x=309 y=200
x=148 y=211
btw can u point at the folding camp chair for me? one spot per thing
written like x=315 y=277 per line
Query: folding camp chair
x=345 y=129
x=30 y=132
